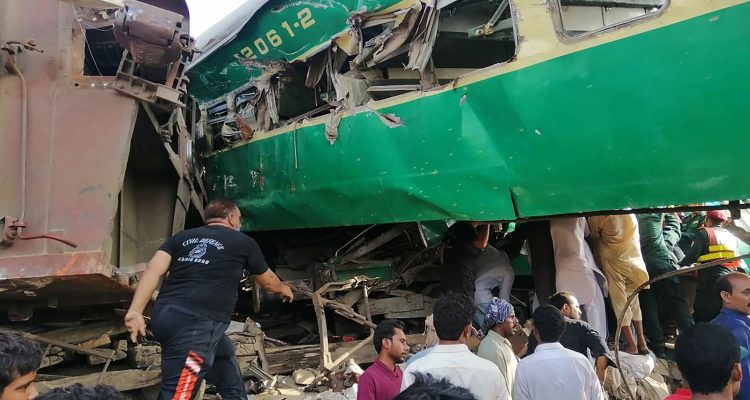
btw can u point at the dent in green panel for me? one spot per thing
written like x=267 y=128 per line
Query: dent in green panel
x=448 y=167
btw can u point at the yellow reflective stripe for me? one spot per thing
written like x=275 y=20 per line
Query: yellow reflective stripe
x=709 y=257
x=718 y=247
x=716 y=256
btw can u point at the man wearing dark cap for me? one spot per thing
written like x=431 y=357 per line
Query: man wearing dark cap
x=711 y=243
x=554 y=372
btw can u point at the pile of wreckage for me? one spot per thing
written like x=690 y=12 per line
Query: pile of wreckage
x=98 y=351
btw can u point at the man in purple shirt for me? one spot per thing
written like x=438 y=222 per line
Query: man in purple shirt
x=382 y=380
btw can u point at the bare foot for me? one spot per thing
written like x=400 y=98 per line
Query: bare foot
x=631 y=350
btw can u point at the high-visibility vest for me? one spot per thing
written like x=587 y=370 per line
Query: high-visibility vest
x=721 y=245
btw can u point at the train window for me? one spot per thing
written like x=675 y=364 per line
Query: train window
x=473 y=34
x=102 y=53
x=583 y=17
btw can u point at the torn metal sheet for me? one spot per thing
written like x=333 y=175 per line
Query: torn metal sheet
x=316 y=68
x=351 y=89
x=350 y=41
x=332 y=125
x=278 y=31
x=406 y=21
x=389 y=120
x=420 y=48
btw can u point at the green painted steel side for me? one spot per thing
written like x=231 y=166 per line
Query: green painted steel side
x=280 y=31
x=653 y=119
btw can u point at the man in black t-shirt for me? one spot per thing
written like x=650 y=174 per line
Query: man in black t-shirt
x=578 y=336
x=196 y=300
x=464 y=242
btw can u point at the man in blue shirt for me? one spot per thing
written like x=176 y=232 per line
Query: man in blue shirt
x=734 y=289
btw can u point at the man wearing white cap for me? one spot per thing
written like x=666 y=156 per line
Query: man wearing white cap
x=499 y=322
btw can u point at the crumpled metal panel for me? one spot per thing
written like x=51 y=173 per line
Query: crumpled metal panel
x=150 y=33
x=637 y=122
x=279 y=32
x=437 y=165
x=78 y=143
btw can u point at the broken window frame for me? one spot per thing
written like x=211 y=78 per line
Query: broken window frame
x=557 y=21
x=406 y=95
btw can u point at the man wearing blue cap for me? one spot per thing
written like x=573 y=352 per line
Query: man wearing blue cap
x=499 y=322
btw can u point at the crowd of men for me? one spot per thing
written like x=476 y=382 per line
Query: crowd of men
x=578 y=266
x=603 y=260
x=712 y=357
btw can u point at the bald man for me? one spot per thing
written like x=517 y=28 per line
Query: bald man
x=734 y=290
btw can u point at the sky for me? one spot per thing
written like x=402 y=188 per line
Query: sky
x=205 y=13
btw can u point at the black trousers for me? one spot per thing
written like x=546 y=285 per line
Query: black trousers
x=542 y=259
x=668 y=293
x=193 y=348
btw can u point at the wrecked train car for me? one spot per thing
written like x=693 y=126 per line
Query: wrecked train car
x=339 y=113
x=96 y=134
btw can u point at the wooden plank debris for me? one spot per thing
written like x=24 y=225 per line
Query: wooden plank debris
x=423 y=313
x=67 y=346
x=86 y=332
x=130 y=379
x=103 y=340
x=408 y=303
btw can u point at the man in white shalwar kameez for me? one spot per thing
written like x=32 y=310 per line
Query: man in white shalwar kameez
x=577 y=272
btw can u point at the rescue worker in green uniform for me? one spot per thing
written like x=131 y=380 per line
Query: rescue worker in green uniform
x=691 y=223
x=711 y=243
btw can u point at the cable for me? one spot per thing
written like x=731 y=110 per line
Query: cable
x=88 y=45
x=681 y=271
x=10 y=64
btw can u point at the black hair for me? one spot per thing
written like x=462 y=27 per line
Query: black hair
x=426 y=387
x=549 y=322
x=706 y=354
x=724 y=284
x=385 y=330
x=18 y=356
x=78 y=392
x=219 y=208
x=560 y=299
x=451 y=314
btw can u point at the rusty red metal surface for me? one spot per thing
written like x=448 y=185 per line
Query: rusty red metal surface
x=78 y=139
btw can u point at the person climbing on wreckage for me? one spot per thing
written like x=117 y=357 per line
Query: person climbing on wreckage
x=193 y=308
